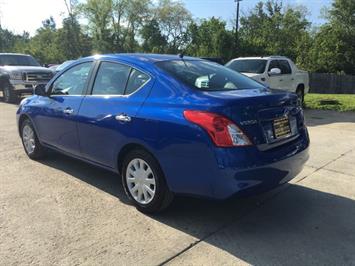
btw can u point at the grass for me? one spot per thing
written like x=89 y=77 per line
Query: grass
x=336 y=102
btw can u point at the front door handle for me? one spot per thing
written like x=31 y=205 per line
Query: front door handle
x=68 y=111
x=123 y=118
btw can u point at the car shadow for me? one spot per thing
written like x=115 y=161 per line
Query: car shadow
x=290 y=225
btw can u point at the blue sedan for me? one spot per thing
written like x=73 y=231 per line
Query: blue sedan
x=168 y=125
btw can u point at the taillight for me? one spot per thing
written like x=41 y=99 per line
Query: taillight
x=223 y=132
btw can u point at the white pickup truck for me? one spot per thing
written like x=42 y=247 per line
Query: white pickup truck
x=276 y=72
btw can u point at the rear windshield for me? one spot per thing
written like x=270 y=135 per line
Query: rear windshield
x=17 y=60
x=207 y=76
x=248 y=66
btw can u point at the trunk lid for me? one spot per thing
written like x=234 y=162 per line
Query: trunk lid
x=260 y=112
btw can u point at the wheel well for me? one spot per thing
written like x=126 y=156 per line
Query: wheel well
x=300 y=87
x=125 y=150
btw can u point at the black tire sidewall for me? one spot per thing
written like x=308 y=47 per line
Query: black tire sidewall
x=9 y=96
x=162 y=190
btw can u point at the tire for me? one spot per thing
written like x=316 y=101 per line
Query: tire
x=30 y=142
x=136 y=176
x=300 y=93
x=9 y=94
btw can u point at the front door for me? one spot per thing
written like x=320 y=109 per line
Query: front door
x=286 y=78
x=274 y=81
x=57 y=121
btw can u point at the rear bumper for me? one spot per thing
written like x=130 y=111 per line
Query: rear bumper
x=259 y=178
x=220 y=173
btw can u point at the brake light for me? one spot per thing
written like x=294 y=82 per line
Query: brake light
x=223 y=132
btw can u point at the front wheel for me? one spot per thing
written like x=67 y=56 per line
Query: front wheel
x=144 y=182
x=31 y=144
x=9 y=94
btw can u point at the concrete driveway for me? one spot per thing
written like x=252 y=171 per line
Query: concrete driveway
x=61 y=211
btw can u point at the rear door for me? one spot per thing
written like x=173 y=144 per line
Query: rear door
x=57 y=119
x=108 y=114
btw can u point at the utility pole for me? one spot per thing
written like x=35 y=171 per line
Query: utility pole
x=237 y=25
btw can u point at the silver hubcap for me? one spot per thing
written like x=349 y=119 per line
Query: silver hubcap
x=28 y=137
x=140 y=181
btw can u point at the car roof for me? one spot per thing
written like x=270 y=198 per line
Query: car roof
x=262 y=57
x=142 y=57
x=14 y=54
x=140 y=60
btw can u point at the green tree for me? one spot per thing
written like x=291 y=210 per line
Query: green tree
x=270 y=29
x=211 y=38
x=73 y=42
x=333 y=48
x=99 y=14
x=174 y=20
x=43 y=45
x=153 y=40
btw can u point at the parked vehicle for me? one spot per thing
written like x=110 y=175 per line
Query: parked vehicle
x=19 y=74
x=277 y=72
x=149 y=118
x=57 y=68
x=217 y=60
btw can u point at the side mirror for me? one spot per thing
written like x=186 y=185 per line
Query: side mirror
x=274 y=71
x=40 y=90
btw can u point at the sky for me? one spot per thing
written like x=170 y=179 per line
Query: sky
x=27 y=15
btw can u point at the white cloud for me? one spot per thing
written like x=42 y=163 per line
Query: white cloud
x=27 y=15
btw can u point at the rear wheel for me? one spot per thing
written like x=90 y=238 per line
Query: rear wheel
x=31 y=144
x=144 y=182
x=9 y=94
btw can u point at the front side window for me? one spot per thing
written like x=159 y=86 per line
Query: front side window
x=72 y=81
x=273 y=64
x=248 y=65
x=207 y=76
x=111 y=79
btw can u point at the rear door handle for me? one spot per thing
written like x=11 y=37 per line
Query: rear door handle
x=123 y=118
x=68 y=111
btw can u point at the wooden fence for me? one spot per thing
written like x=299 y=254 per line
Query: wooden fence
x=331 y=83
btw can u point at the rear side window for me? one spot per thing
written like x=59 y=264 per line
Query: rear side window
x=136 y=80
x=285 y=67
x=207 y=76
x=111 y=79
